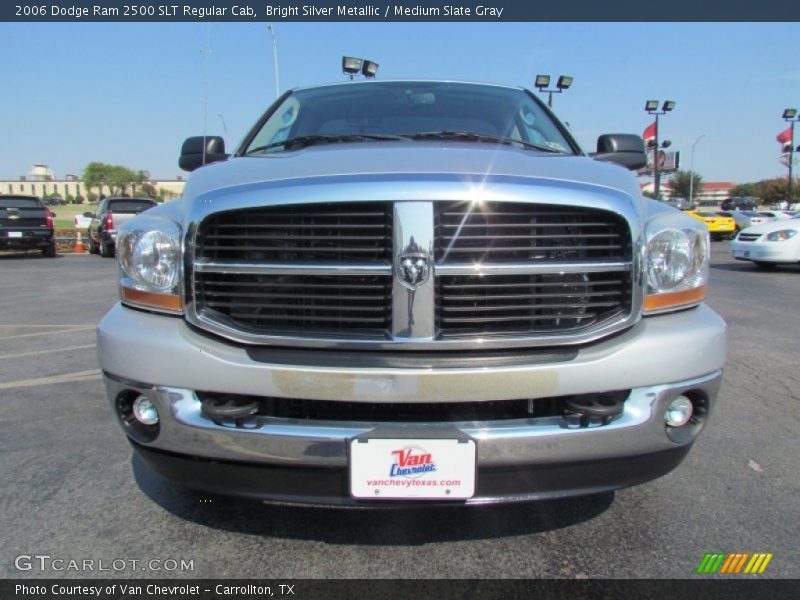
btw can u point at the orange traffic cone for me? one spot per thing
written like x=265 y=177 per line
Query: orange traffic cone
x=79 y=249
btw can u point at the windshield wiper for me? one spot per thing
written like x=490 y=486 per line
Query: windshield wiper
x=309 y=140
x=469 y=136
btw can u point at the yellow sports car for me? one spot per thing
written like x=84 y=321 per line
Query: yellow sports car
x=718 y=226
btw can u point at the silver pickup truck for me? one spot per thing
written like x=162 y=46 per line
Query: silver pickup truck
x=404 y=292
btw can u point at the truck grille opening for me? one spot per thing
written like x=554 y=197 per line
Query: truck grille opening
x=222 y=408
x=328 y=271
x=291 y=304
x=505 y=231
x=300 y=232
x=526 y=304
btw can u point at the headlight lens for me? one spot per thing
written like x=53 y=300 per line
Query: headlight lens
x=149 y=251
x=676 y=264
x=781 y=236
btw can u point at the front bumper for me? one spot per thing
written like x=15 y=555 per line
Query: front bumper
x=517 y=459
x=777 y=252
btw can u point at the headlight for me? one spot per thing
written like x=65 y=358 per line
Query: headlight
x=781 y=236
x=676 y=263
x=149 y=250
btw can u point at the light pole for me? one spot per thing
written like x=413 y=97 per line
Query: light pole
x=790 y=114
x=691 y=171
x=542 y=81
x=275 y=59
x=651 y=106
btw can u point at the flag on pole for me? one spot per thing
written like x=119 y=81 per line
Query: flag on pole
x=649 y=132
x=785 y=136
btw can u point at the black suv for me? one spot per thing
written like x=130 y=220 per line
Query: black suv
x=26 y=224
x=740 y=203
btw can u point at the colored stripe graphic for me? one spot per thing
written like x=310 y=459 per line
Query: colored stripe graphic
x=732 y=563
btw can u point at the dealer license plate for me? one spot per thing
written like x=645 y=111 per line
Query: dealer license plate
x=412 y=468
x=15 y=234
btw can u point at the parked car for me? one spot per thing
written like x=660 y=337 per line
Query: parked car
x=769 y=244
x=738 y=204
x=776 y=215
x=391 y=293
x=26 y=224
x=719 y=226
x=744 y=218
x=110 y=214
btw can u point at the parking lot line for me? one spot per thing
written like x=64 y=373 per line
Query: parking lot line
x=37 y=352
x=65 y=378
x=27 y=335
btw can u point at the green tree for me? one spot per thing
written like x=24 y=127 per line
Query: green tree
x=114 y=177
x=772 y=191
x=682 y=181
x=743 y=190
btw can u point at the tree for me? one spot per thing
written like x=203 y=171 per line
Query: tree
x=114 y=177
x=743 y=190
x=772 y=191
x=681 y=182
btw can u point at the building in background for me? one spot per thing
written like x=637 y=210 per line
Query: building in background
x=42 y=182
x=711 y=193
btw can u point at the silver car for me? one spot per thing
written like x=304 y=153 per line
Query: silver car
x=408 y=291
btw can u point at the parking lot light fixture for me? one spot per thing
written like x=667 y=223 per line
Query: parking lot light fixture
x=351 y=65
x=543 y=81
x=651 y=107
x=790 y=114
x=369 y=69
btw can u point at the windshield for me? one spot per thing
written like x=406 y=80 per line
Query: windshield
x=387 y=111
x=129 y=206
x=12 y=202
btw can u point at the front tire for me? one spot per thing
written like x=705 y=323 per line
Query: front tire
x=764 y=265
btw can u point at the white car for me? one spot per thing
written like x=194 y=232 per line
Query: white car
x=776 y=214
x=769 y=244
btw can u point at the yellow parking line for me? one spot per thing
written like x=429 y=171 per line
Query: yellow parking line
x=27 y=335
x=37 y=352
x=66 y=378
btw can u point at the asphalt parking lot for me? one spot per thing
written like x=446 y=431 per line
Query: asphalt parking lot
x=71 y=489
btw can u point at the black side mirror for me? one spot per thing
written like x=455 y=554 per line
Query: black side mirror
x=192 y=155
x=621 y=148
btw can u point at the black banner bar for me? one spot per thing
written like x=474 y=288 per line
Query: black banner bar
x=440 y=589
x=393 y=11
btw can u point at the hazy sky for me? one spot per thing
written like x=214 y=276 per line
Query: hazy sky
x=130 y=93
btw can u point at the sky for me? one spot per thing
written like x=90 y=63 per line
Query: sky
x=130 y=93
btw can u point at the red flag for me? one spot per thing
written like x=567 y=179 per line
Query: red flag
x=785 y=136
x=649 y=132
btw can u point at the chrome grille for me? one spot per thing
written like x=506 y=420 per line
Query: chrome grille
x=494 y=231
x=527 y=304
x=296 y=233
x=748 y=237
x=504 y=273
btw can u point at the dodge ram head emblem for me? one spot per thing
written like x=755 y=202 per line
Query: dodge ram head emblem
x=413 y=269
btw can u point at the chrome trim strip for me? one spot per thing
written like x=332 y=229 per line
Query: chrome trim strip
x=532 y=268
x=259 y=268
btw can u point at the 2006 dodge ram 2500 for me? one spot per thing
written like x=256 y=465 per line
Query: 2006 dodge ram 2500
x=412 y=292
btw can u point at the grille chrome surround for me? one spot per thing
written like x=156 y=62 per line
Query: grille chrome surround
x=200 y=264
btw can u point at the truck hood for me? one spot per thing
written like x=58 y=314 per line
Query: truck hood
x=459 y=160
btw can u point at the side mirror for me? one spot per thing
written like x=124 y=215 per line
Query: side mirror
x=192 y=152
x=624 y=149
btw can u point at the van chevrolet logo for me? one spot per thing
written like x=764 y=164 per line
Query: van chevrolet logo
x=413 y=269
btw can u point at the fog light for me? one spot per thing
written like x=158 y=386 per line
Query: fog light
x=679 y=412
x=145 y=411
